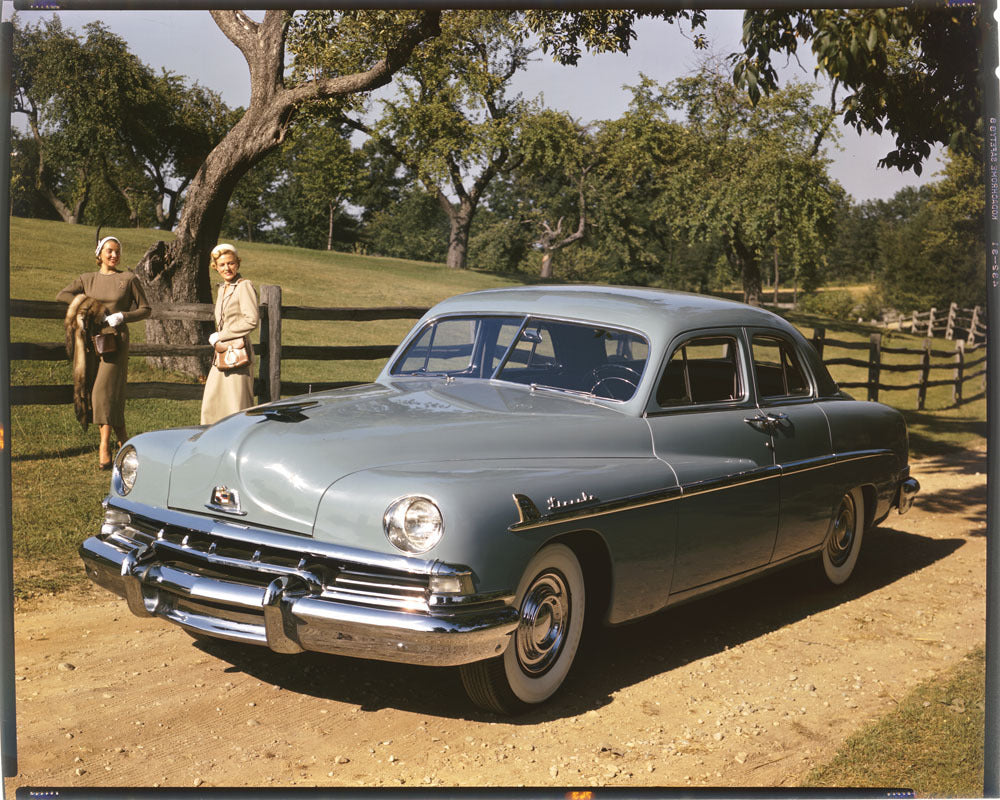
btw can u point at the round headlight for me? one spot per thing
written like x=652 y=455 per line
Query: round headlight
x=413 y=524
x=127 y=465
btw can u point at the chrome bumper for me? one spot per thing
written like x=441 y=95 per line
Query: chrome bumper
x=292 y=612
x=907 y=494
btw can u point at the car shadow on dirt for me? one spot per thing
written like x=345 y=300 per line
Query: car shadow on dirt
x=610 y=659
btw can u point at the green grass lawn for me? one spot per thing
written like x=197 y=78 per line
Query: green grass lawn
x=57 y=488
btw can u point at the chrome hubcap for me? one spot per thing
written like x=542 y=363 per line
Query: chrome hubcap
x=838 y=546
x=545 y=614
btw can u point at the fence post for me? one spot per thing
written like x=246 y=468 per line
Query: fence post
x=270 y=339
x=930 y=322
x=913 y=322
x=925 y=373
x=819 y=339
x=949 y=330
x=874 y=365
x=973 y=325
x=956 y=394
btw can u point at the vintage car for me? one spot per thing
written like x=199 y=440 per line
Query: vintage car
x=529 y=459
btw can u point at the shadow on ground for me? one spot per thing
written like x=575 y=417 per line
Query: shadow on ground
x=611 y=659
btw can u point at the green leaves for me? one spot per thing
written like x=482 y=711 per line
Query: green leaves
x=910 y=71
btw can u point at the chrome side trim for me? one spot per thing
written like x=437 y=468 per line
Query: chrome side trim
x=632 y=502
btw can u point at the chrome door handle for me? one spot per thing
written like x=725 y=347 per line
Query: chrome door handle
x=761 y=423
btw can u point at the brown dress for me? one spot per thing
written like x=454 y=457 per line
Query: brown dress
x=118 y=291
x=236 y=316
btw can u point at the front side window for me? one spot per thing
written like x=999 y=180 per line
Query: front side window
x=600 y=361
x=704 y=369
x=777 y=369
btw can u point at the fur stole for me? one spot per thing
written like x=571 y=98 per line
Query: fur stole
x=84 y=319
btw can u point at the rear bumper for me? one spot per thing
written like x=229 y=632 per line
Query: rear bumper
x=906 y=494
x=292 y=612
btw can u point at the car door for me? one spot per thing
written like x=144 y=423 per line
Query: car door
x=787 y=400
x=728 y=512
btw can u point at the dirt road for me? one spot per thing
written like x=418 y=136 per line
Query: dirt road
x=750 y=687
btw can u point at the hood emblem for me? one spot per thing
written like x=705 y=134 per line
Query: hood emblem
x=226 y=500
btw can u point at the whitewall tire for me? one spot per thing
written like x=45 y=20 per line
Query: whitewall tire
x=551 y=598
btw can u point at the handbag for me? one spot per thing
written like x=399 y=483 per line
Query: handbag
x=231 y=354
x=105 y=343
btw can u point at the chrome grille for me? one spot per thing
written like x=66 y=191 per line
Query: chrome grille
x=215 y=556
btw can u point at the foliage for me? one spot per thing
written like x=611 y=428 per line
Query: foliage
x=565 y=34
x=934 y=254
x=108 y=132
x=549 y=181
x=250 y=213
x=750 y=177
x=321 y=174
x=836 y=304
x=450 y=122
x=912 y=72
x=412 y=227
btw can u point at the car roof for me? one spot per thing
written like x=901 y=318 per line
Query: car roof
x=660 y=313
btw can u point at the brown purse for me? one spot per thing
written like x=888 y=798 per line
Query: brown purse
x=231 y=354
x=105 y=343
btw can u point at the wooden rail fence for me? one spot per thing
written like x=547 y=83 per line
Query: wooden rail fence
x=271 y=353
x=962 y=368
x=955 y=323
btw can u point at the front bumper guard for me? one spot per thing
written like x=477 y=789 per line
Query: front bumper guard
x=290 y=615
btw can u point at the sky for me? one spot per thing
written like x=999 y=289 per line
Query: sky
x=190 y=44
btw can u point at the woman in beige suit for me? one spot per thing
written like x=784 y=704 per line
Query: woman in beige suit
x=236 y=317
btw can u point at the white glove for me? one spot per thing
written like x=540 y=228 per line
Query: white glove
x=114 y=320
x=213 y=338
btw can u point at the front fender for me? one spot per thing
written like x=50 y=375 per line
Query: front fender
x=476 y=499
x=156 y=451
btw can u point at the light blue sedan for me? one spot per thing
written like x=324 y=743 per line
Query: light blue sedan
x=528 y=461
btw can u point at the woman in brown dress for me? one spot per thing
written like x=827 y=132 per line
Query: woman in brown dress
x=123 y=298
x=236 y=317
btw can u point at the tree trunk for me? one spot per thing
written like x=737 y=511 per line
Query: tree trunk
x=776 y=276
x=329 y=231
x=546 y=265
x=746 y=264
x=460 y=217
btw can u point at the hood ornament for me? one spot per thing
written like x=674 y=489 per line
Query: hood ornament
x=225 y=500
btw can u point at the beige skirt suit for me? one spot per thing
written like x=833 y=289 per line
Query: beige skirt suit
x=118 y=291
x=236 y=316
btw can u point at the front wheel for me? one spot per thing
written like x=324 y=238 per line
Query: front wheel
x=843 y=542
x=551 y=598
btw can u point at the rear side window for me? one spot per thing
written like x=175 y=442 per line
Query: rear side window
x=777 y=368
x=702 y=370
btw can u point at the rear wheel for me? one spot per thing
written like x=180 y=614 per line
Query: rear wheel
x=551 y=598
x=843 y=542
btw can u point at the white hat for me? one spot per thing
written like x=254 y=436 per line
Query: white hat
x=104 y=241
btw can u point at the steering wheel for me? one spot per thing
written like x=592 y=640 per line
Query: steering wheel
x=617 y=381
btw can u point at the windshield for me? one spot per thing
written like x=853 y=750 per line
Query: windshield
x=599 y=361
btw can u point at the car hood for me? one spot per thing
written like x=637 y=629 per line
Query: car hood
x=282 y=457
